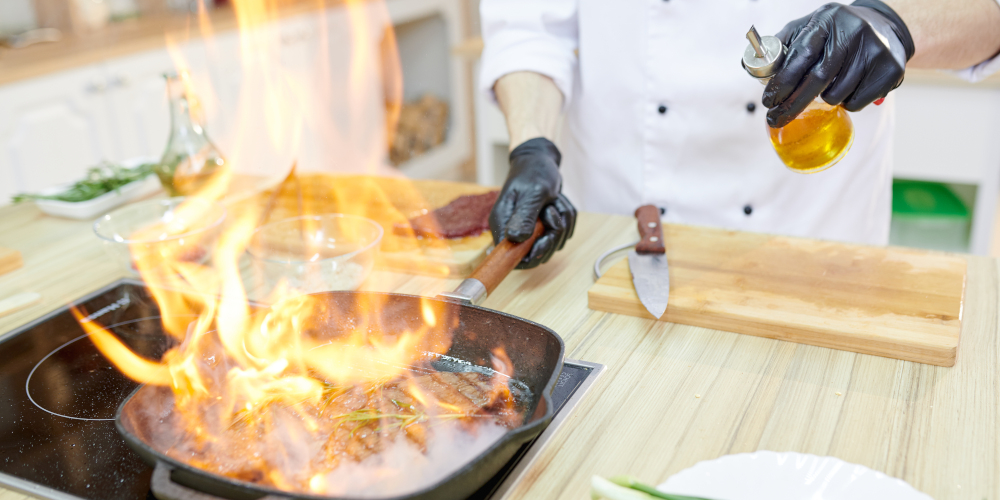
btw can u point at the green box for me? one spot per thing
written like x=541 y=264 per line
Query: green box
x=929 y=215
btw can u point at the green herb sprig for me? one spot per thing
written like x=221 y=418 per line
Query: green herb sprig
x=628 y=488
x=101 y=179
x=395 y=420
x=631 y=482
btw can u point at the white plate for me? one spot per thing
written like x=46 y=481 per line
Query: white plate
x=102 y=204
x=768 y=475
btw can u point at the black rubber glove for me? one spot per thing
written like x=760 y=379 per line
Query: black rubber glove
x=838 y=52
x=533 y=192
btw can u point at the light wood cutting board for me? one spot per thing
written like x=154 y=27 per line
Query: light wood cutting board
x=388 y=201
x=9 y=260
x=893 y=302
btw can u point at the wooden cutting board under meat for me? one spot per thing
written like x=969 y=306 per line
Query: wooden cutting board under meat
x=389 y=201
x=9 y=260
x=893 y=302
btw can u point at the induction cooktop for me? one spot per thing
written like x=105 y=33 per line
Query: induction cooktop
x=58 y=396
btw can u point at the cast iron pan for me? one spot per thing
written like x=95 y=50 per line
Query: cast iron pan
x=535 y=351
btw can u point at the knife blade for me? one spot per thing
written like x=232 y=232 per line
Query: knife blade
x=648 y=262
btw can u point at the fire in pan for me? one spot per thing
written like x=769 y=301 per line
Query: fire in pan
x=438 y=429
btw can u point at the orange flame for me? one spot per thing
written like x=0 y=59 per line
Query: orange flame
x=132 y=365
x=277 y=395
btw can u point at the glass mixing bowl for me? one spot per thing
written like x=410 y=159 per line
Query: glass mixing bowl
x=314 y=253
x=157 y=232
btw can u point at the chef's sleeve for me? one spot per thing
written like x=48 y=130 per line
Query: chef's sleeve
x=529 y=35
x=981 y=70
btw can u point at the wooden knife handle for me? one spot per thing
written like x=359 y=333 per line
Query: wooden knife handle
x=503 y=259
x=650 y=230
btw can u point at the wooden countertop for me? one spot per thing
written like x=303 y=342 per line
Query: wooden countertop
x=124 y=38
x=671 y=395
x=148 y=33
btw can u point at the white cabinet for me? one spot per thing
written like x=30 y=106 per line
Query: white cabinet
x=138 y=100
x=52 y=129
x=313 y=92
x=294 y=99
x=281 y=98
x=423 y=71
x=346 y=133
x=947 y=133
x=219 y=86
x=8 y=184
x=137 y=95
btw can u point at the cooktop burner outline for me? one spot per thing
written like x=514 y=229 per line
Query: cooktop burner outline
x=49 y=454
x=27 y=383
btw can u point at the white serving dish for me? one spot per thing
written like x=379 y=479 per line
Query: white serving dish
x=769 y=475
x=102 y=204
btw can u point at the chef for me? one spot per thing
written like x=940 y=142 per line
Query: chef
x=654 y=107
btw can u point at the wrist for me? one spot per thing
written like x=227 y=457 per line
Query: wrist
x=537 y=146
x=523 y=136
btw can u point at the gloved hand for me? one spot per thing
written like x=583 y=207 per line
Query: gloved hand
x=851 y=55
x=532 y=192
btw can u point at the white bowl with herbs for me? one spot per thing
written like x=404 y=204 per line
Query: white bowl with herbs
x=105 y=187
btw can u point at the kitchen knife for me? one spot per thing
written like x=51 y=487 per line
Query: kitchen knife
x=648 y=262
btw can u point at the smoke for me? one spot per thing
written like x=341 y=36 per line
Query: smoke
x=289 y=447
x=402 y=468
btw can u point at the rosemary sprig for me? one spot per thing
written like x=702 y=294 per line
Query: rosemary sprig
x=365 y=416
x=99 y=180
x=242 y=419
x=362 y=417
x=633 y=483
x=401 y=404
x=330 y=393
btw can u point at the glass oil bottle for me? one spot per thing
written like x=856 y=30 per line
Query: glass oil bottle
x=816 y=139
x=191 y=159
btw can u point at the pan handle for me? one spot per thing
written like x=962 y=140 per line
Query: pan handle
x=165 y=488
x=498 y=264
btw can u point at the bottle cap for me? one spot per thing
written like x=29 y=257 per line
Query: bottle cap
x=764 y=56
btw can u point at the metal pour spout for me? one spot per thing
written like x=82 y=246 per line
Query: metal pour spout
x=756 y=43
x=764 y=56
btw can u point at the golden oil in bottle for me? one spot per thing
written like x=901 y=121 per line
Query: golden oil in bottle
x=815 y=140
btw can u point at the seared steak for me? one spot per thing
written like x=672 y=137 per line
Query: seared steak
x=465 y=216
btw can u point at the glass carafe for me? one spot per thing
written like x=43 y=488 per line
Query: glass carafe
x=190 y=160
x=820 y=135
x=816 y=139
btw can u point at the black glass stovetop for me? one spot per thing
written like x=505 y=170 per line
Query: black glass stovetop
x=58 y=396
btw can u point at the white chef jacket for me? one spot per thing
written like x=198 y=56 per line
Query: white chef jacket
x=659 y=110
